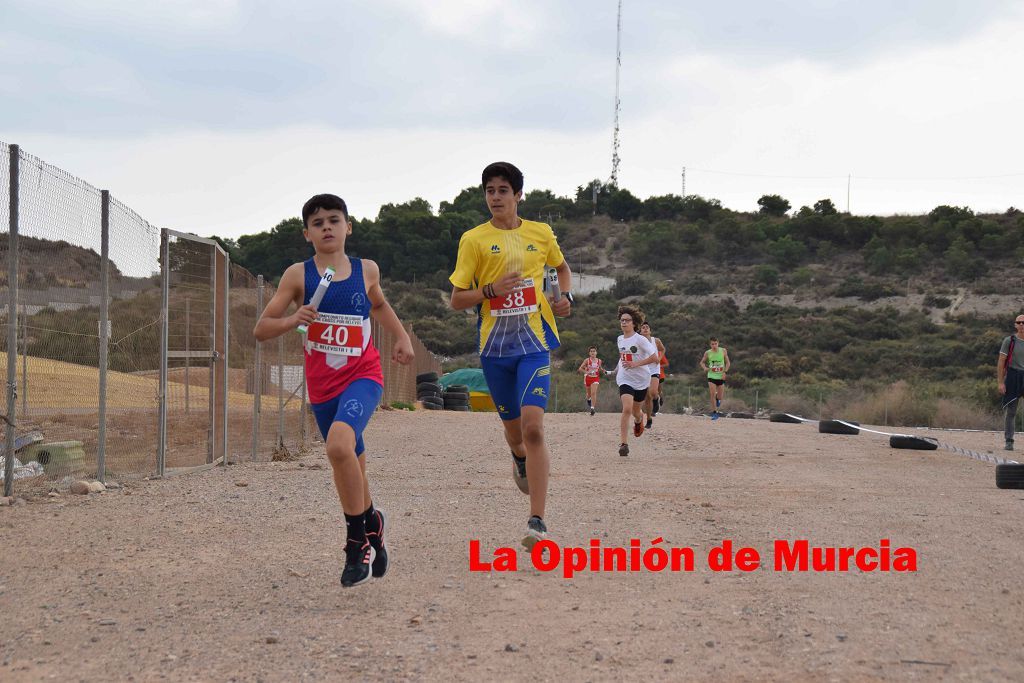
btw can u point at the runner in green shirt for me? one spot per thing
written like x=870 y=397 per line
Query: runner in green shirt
x=716 y=363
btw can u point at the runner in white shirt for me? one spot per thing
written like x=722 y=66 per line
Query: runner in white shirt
x=633 y=373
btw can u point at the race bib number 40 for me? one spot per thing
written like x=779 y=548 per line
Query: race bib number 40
x=520 y=301
x=338 y=334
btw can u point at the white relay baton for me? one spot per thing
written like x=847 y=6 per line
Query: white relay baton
x=318 y=295
x=556 y=293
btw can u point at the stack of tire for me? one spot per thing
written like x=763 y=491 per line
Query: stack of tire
x=456 y=397
x=428 y=391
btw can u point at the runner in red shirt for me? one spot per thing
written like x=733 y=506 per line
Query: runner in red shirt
x=591 y=367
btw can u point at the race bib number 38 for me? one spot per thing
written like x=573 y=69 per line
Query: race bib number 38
x=520 y=301
x=338 y=334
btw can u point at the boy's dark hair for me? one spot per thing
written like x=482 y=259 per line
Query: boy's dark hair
x=635 y=313
x=329 y=202
x=591 y=348
x=505 y=170
x=713 y=339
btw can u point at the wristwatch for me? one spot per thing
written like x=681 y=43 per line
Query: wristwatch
x=568 y=295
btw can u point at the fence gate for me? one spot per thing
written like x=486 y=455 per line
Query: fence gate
x=194 y=352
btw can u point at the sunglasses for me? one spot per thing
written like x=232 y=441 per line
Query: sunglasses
x=1018 y=322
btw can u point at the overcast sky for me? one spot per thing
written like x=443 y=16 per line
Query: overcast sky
x=223 y=116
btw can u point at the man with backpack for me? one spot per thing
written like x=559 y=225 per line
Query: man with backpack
x=1010 y=376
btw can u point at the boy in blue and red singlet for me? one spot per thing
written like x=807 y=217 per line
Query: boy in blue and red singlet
x=343 y=372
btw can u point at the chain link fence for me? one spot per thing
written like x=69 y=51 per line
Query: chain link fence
x=128 y=350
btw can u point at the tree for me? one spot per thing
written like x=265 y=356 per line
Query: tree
x=787 y=252
x=773 y=205
x=766 y=279
x=624 y=206
x=824 y=207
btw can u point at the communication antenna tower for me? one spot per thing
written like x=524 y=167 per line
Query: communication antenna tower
x=618 y=65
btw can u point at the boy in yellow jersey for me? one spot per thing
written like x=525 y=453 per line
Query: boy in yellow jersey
x=500 y=270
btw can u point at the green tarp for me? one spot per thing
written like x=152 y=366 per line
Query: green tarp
x=471 y=377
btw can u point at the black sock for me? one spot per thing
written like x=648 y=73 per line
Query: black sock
x=355 y=527
x=518 y=459
x=371 y=520
x=656 y=404
x=589 y=403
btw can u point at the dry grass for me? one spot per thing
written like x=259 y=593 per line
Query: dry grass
x=793 y=404
x=950 y=415
x=58 y=385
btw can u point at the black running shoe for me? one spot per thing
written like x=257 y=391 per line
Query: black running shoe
x=519 y=473
x=357 y=564
x=624 y=450
x=650 y=423
x=379 y=566
x=536 y=531
x=592 y=411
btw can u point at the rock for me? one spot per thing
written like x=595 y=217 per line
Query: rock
x=598 y=657
x=80 y=488
x=96 y=487
x=112 y=485
x=53 y=494
x=241 y=483
x=416 y=620
x=668 y=660
x=509 y=647
x=6 y=500
x=272 y=640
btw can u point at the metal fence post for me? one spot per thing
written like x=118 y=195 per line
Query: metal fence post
x=302 y=413
x=188 y=348
x=24 y=359
x=257 y=375
x=12 y=320
x=212 y=394
x=280 y=391
x=101 y=448
x=227 y=352
x=165 y=293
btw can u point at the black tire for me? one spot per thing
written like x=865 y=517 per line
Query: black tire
x=458 y=395
x=433 y=400
x=914 y=443
x=432 y=406
x=464 y=409
x=458 y=387
x=428 y=386
x=742 y=416
x=1010 y=476
x=426 y=377
x=455 y=403
x=836 y=427
x=783 y=417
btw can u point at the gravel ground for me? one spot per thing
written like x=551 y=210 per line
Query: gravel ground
x=232 y=574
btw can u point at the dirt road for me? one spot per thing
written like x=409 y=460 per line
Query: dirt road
x=200 y=578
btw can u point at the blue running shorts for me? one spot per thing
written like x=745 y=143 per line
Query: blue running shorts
x=518 y=381
x=353 y=406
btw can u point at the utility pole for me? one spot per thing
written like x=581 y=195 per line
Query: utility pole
x=848 y=193
x=684 y=182
x=618 y=64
